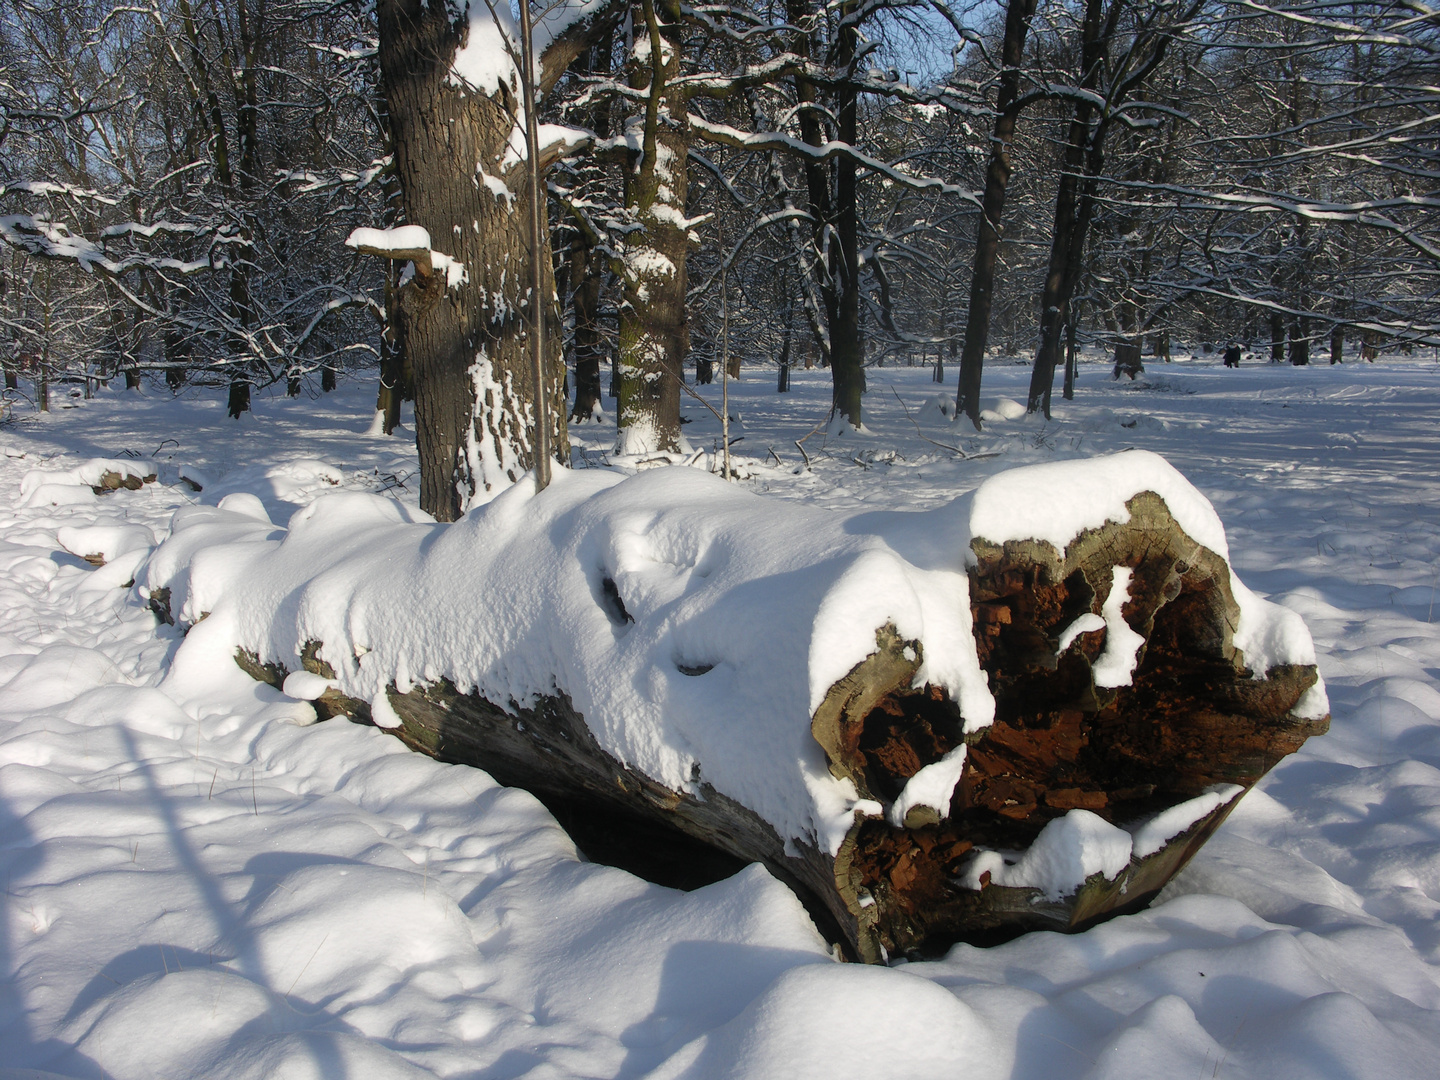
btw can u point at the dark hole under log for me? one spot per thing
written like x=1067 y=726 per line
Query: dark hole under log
x=646 y=848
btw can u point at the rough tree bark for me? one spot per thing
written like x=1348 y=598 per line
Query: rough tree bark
x=1193 y=716
x=467 y=341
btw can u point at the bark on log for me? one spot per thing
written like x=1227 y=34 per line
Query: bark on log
x=1193 y=716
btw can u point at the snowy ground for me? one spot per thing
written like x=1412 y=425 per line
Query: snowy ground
x=197 y=885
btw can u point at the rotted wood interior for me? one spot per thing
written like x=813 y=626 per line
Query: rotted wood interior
x=1194 y=716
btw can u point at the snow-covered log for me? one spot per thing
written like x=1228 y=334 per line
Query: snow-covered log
x=1026 y=709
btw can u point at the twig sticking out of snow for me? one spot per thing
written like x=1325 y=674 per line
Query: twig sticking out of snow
x=932 y=442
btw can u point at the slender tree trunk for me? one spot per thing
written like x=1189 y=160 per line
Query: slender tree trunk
x=176 y=353
x=467 y=343
x=654 y=333
x=992 y=206
x=394 y=378
x=847 y=345
x=42 y=381
x=1072 y=355
x=587 y=272
x=1072 y=213
x=1277 y=338
x=782 y=382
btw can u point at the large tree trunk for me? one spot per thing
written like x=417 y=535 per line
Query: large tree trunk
x=1065 y=738
x=654 y=333
x=992 y=206
x=467 y=340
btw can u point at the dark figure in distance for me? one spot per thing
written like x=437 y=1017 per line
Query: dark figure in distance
x=1232 y=355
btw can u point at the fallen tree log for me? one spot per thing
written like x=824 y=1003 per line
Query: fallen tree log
x=1132 y=691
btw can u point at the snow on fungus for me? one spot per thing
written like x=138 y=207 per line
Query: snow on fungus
x=400 y=238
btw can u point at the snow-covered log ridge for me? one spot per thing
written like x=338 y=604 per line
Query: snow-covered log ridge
x=874 y=691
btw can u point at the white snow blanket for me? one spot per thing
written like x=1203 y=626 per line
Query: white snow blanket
x=197 y=885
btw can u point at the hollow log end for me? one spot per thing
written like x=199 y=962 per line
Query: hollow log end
x=1191 y=716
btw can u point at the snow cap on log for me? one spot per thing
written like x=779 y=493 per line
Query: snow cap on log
x=693 y=625
x=869 y=691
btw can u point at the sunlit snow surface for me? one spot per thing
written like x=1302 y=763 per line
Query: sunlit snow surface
x=197 y=885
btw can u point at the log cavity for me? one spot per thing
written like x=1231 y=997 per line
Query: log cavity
x=903 y=733
x=1193 y=716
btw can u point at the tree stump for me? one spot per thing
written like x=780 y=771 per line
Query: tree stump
x=1127 y=360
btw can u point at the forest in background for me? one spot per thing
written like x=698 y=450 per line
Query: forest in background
x=770 y=183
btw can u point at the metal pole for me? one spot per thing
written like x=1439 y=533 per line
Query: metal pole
x=541 y=439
